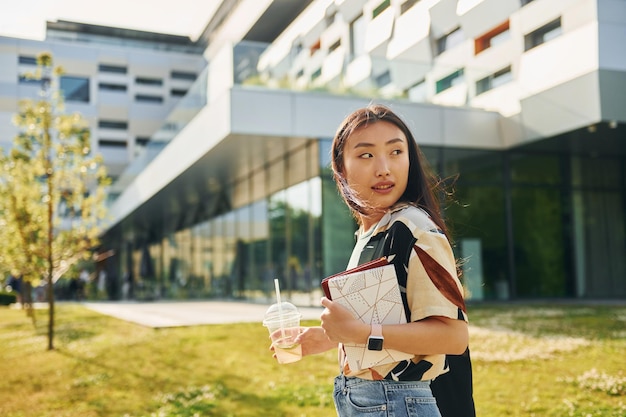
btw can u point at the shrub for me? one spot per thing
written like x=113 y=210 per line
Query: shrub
x=7 y=298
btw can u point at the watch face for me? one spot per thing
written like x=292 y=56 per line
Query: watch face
x=375 y=343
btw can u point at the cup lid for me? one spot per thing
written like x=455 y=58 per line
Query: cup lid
x=285 y=312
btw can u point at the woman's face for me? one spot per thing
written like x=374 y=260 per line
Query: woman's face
x=376 y=164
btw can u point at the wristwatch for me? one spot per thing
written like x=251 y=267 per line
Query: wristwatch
x=376 y=339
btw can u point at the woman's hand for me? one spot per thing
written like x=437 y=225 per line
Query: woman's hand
x=340 y=325
x=314 y=341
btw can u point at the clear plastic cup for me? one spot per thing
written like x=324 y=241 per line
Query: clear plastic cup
x=283 y=325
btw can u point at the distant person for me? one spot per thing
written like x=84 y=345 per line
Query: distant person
x=16 y=286
x=384 y=180
x=73 y=288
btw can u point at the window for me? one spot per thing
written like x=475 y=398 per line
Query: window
x=147 y=98
x=334 y=46
x=543 y=34
x=316 y=73
x=27 y=60
x=357 y=36
x=492 y=38
x=451 y=80
x=182 y=75
x=112 y=143
x=116 y=69
x=417 y=92
x=142 y=140
x=111 y=87
x=148 y=81
x=112 y=124
x=450 y=40
x=525 y=2
x=75 y=88
x=381 y=8
x=407 y=5
x=330 y=18
x=176 y=92
x=297 y=48
x=23 y=79
x=383 y=79
x=494 y=80
x=315 y=47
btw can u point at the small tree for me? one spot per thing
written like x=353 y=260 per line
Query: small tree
x=53 y=189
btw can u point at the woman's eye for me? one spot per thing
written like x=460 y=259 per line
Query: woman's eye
x=396 y=152
x=366 y=155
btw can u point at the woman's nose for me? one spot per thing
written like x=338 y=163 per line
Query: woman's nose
x=382 y=167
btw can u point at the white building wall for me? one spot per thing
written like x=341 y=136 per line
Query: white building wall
x=553 y=78
x=82 y=60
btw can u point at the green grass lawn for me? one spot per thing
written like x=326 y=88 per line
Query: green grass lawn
x=529 y=360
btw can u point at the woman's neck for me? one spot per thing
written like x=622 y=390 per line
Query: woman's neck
x=369 y=220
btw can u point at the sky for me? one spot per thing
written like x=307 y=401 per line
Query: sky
x=27 y=18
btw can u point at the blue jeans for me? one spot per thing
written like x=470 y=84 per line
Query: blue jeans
x=358 y=397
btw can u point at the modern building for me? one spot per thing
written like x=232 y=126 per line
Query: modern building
x=124 y=82
x=519 y=105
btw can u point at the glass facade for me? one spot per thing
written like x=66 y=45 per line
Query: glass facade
x=536 y=222
x=543 y=220
x=272 y=227
x=525 y=225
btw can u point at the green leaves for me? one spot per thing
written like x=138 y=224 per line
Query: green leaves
x=52 y=189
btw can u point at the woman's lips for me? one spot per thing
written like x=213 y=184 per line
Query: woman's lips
x=383 y=187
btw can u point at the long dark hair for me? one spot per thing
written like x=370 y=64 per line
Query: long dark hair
x=422 y=185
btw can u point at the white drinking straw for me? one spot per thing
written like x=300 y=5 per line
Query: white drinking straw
x=280 y=308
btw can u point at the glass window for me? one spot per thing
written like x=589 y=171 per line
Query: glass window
x=258 y=248
x=142 y=140
x=27 y=60
x=116 y=69
x=599 y=242
x=112 y=143
x=357 y=37
x=535 y=169
x=183 y=75
x=417 y=92
x=176 y=92
x=543 y=34
x=112 y=87
x=23 y=79
x=539 y=242
x=449 y=81
x=75 y=88
x=596 y=172
x=475 y=166
x=494 y=80
x=381 y=8
x=147 y=98
x=407 y=5
x=112 y=124
x=278 y=222
x=476 y=216
x=450 y=40
x=148 y=81
x=299 y=233
x=492 y=38
x=383 y=79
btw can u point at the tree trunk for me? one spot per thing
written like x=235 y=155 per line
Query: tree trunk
x=50 y=279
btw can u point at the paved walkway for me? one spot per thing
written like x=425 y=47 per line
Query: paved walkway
x=189 y=313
